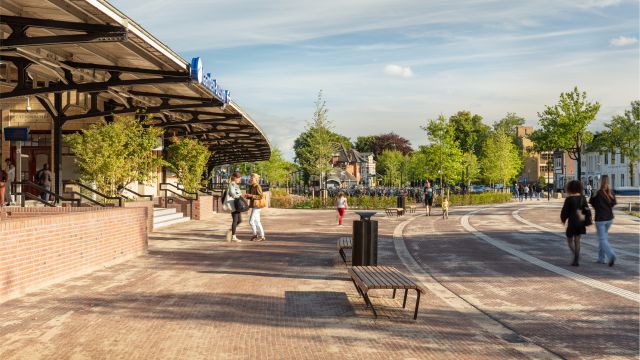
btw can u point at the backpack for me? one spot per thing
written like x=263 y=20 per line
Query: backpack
x=429 y=193
x=40 y=177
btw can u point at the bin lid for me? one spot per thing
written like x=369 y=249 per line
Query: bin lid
x=366 y=215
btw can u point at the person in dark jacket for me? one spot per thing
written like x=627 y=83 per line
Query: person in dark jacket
x=573 y=215
x=603 y=202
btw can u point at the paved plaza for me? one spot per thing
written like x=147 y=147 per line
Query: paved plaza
x=497 y=278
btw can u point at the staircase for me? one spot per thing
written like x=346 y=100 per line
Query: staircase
x=164 y=217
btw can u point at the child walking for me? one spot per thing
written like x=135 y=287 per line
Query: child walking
x=445 y=207
x=342 y=206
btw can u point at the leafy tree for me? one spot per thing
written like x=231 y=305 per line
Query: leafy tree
x=443 y=156
x=391 y=141
x=188 y=158
x=315 y=147
x=469 y=131
x=116 y=154
x=416 y=166
x=500 y=160
x=470 y=168
x=564 y=125
x=274 y=171
x=364 y=143
x=508 y=125
x=623 y=133
x=390 y=165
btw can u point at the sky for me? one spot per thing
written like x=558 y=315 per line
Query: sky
x=392 y=65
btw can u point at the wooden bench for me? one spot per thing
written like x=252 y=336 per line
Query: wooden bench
x=412 y=209
x=344 y=243
x=367 y=278
x=394 y=211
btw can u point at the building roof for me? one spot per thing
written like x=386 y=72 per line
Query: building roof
x=77 y=47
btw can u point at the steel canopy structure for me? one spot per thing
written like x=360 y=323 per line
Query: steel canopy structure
x=84 y=59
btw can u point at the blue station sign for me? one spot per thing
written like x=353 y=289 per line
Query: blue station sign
x=15 y=133
x=197 y=74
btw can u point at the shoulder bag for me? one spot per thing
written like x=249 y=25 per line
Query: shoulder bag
x=241 y=204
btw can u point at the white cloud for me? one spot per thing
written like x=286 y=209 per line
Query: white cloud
x=623 y=41
x=397 y=70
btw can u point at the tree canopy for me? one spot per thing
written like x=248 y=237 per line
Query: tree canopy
x=443 y=157
x=390 y=141
x=469 y=131
x=364 y=143
x=113 y=155
x=391 y=165
x=188 y=158
x=500 y=161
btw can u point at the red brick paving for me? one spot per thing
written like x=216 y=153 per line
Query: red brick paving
x=197 y=297
x=560 y=314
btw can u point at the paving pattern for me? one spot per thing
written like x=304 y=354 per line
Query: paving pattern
x=195 y=296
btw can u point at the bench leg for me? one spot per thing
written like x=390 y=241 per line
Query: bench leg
x=366 y=299
x=344 y=256
x=415 y=315
x=357 y=288
x=404 y=303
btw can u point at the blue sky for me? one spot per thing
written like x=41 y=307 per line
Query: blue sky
x=392 y=65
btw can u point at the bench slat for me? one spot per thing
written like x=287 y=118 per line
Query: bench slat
x=377 y=282
x=366 y=277
x=399 y=277
x=387 y=278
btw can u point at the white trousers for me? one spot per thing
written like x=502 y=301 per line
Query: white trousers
x=255 y=223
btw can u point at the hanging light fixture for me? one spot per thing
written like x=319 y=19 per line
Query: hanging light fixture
x=28 y=105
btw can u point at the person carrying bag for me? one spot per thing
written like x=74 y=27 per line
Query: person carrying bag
x=258 y=201
x=234 y=203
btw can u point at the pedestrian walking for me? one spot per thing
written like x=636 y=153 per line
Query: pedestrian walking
x=526 y=192
x=233 y=197
x=11 y=177
x=428 y=198
x=342 y=206
x=43 y=177
x=3 y=186
x=520 y=192
x=603 y=202
x=515 y=191
x=589 y=190
x=445 y=207
x=576 y=215
x=257 y=202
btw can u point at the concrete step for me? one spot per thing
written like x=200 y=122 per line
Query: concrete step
x=157 y=212
x=165 y=217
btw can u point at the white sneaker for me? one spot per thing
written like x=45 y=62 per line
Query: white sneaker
x=235 y=239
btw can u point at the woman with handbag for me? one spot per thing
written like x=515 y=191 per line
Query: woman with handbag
x=603 y=202
x=232 y=203
x=576 y=214
x=258 y=202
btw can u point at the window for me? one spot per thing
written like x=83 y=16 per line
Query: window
x=621 y=179
x=613 y=158
x=606 y=158
x=621 y=158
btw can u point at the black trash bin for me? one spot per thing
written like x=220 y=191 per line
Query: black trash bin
x=402 y=202
x=365 y=241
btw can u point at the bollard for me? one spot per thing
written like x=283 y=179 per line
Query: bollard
x=365 y=240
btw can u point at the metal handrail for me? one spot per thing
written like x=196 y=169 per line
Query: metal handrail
x=180 y=195
x=24 y=194
x=94 y=191
x=195 y=194
x=122 y=188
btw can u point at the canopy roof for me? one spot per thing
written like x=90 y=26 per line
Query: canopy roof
x=56 y=51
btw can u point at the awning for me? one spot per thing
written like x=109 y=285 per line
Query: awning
x=85 y=59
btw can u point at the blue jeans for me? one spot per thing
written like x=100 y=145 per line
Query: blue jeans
x=603 y=240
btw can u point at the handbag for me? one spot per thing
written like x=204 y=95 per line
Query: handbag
x=241 y=204
x=585 y=214
x=260 y=203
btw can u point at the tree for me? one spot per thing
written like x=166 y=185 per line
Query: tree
x=315 y=147
x=274 y=171
x=623 y=133
x=390 y=165
x=443 y=156
x=564 y=125
x=508 y=125
x=364 y=143
x=500 y=160
x=470 y=168
x=469 y=131
x=116 y=154
x=188 y=159
x=416 y=166
x=391 y=141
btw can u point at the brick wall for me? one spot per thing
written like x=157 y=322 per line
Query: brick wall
x=148 y=206
x=203 y=208
x=37 y=250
